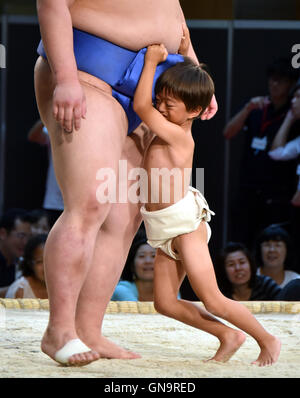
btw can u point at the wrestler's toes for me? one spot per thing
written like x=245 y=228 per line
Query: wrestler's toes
x=92 y=356
x=76 y=359
x=83 y=358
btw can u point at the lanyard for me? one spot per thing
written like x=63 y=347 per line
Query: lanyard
x=266 y=123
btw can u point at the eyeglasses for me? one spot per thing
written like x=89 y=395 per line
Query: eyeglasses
x=21 y=235
x=275 y=245
x=279 y=79
x=37 y=261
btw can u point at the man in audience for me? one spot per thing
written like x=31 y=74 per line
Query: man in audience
x=15 y=230
x=266 y=186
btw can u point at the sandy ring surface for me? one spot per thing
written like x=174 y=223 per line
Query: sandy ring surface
x=169 y=349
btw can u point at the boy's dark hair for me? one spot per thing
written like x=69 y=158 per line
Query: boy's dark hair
x=26 y=263
x=224 y=283
x=8 y=219
x=188 y=82
x=282 y=68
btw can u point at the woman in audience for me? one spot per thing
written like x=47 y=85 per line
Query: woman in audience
x=136 y=282
x=32 y=282
x=237 y=278
x=274 y=255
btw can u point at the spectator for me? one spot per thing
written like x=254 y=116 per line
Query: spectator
x=283 y=151
x=136 y=282
x=53 y=201
x=32 y=283
x=266 y=186
x=15 y=230
x=274 y=255
x=280 y=150
x=237 y=278
x=39 y=222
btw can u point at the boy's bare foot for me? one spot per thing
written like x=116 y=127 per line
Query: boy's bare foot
x=269 y=352
x=52 y=343
x=229 y=346
x=106 y=348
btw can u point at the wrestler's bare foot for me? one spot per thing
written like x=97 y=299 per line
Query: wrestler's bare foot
x=270 y=351
x=53 y=342
x=230 y=343
x=106 y=348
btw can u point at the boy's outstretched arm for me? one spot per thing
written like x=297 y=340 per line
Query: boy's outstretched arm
x=142 y=103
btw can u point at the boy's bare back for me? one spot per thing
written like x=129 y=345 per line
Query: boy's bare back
x=171 y=150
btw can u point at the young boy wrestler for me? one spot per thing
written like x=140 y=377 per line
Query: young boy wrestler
x=178 y=227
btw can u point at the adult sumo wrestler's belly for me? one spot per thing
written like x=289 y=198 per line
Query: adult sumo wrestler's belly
x=133 y=24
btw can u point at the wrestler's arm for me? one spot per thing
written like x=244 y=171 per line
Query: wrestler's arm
x=142 y=103
x=190 y=52
x=57 y=34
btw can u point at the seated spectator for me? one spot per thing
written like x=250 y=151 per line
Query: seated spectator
x=15 y=230
x=39 y=222
x=32 y=283
x=136 y=282
x=274 y=255
x=237 y=278
x=291 y=291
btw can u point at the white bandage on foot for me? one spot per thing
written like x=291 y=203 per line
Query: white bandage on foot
x=72 y=347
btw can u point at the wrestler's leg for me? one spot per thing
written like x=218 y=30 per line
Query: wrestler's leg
x=70 y=246
x=112 y=246
x=168 y=276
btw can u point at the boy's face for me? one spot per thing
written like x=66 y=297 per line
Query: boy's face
x=173 y=109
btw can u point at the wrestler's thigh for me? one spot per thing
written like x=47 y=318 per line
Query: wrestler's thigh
x=78 y=156
x=124 y=217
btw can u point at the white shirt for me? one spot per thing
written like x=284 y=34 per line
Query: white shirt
x=21 y=283
x=290 y=151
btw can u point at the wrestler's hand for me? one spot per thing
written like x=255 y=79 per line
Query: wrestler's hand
x=211 y=110
x=185 y=41
x=69 y=105
x=156 y=53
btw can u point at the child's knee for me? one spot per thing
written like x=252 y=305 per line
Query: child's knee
x=164 y=306
x=159 y=306
x=215 y=304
